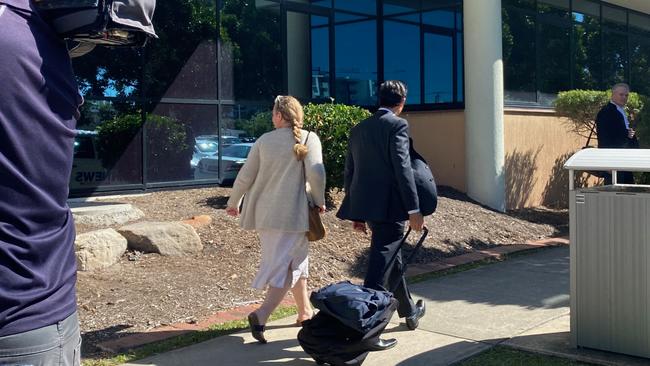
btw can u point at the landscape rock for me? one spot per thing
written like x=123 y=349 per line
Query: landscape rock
x=105 y=214
x=198 y=221
x=99 y=249
x=165 y=238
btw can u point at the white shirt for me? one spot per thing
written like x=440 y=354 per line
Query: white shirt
x=622 y=110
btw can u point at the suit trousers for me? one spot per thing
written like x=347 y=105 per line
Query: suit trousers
x=382 y=274
x=621 y=178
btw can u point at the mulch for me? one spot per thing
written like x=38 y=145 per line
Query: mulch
x=148 y=291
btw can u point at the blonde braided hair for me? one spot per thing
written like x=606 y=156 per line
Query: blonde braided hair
x=291 y=111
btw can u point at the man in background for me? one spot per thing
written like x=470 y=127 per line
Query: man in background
x=380 y=191
x=614 y=131
x=39 y=103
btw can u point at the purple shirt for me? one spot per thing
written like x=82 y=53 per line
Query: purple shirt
x=38 y=103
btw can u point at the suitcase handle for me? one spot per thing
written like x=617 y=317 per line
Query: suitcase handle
x=418 y=245
x=405 y=263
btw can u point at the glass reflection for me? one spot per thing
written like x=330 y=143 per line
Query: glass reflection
x=401 y=6
x=320 y=58
x=518 y=46
x=356 y=63
x=250 y=33
x=181 y=63
x=640 y=65
x=614 y=57
x=108 y=72
x=555 y=64
x=441 y=18
x=587 y=48
x=438 y=68
x=405 y=64
x=178 y=135
x=107 y=148
x=358 y=6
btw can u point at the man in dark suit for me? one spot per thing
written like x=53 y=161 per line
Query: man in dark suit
x=380 y=191
x=613 y=129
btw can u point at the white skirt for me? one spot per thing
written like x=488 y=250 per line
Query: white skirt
x=284 y=259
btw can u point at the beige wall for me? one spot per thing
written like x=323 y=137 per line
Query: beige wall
x=536 y=146
x=439 y=136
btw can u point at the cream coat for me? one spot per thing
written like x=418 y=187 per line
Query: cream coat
x=273 y=182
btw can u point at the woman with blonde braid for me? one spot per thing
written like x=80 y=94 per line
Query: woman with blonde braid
x=273 y=180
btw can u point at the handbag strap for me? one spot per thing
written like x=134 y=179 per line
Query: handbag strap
x=304 y=169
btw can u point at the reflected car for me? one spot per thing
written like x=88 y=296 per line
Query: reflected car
x=233 y=158
x=87 y=169
x=203 y=148
x=225 y=140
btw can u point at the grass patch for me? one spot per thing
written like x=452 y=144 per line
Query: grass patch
x=503 y=356
x=184 y=340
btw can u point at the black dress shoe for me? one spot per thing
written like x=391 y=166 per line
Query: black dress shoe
x=257 y=329
x=382 y=344
x=413 y=321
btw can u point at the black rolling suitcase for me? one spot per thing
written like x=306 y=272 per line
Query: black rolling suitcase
x=350 y=320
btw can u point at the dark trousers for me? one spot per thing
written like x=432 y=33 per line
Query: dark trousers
x=384 y=275
x=621 y=178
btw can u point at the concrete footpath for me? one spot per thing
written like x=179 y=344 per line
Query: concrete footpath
x=522 y=303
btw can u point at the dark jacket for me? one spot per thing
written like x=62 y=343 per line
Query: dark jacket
x=379 y=183
x=610 y=127
x=424 y=182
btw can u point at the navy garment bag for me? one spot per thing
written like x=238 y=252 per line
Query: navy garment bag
x=353 y=305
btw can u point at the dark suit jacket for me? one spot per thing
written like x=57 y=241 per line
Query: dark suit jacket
x=379 y=184
x=610 y=127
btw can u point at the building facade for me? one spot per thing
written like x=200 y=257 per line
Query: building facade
x=482 y=75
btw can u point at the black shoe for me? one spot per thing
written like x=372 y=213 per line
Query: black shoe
x=382 y=344
x=413 y=321
x=257 y=329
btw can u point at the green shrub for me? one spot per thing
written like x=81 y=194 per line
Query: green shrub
x=257 y=125
x=169 y=149
x=643 y=134
x=580 y=107
x=332 y=124
x=643 y=124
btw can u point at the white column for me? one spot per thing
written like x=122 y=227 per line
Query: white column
x=484 y=103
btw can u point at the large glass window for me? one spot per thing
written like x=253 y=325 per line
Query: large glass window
x=186 y=109
x=555 y=45
x=519 y=42
x=423 y=46
x=640 y=65
x=438 y=68
x=405 y=64
x=554 y=67
x=356 y=62
x=421 y=43
x=614 y=57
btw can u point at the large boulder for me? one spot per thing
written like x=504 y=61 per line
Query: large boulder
x=99 y=249
x=101 y=214
x=165 y=238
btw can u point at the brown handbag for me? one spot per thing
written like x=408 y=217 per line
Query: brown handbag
x=316 y=227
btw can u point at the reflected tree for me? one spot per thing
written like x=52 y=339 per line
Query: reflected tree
x=252 y=36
